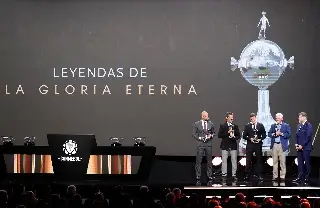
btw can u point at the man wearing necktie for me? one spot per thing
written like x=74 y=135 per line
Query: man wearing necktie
x=229 y=134
x=254 y=132
x=203 y=132
x=279 y=133
x=303 y=146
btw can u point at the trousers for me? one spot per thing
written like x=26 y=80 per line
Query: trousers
x=304 y=164
x=257 y=149
x=278 y=155
x=234 y=162
x=201 y=151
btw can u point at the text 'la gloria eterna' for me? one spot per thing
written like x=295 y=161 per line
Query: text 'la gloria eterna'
x=105 y=90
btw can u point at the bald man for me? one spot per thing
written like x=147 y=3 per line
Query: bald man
x=203 y=132
x=280 y=134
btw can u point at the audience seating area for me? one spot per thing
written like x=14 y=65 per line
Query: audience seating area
x=20 y=196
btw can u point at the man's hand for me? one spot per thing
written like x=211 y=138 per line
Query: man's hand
x=252 y=140
x=300 y=147
x=258 y=140
x=230 y=130
x=209 y=136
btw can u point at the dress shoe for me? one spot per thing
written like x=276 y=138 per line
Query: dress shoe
x=198 y=183
x=297 y=180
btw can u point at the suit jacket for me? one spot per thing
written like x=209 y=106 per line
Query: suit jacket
x=304 y=135
x=226 y=142
x=248 y=133
x=285 y=129
x=198 y=131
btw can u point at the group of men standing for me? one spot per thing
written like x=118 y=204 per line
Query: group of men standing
x=254 y=133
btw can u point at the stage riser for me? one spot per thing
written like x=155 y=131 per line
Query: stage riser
x=180 y=170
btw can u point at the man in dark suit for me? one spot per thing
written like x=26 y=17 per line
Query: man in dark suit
x=279 y=133
x=254 y=133
x=303 y=146
x=203 y=132
x=229 y=134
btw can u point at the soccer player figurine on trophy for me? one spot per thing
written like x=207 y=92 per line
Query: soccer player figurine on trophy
x=208 y=135
x=231 y=135
x=255 y=139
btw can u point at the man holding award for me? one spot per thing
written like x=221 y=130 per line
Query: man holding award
x=203 y=132
x=254 y=133
x=229 y=134
x=279 y=133
x=303 y=146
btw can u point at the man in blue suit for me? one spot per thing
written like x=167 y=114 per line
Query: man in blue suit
x=303 y=146
x=279 y=133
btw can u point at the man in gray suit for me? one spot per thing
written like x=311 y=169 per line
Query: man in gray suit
x=203 y=132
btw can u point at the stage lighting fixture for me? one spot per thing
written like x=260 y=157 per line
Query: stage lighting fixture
x=139 y=141
x=270 y=161
x=30 y=141
x=7 y=140
x=216 y=161
x=243 y=161
x=116 y=141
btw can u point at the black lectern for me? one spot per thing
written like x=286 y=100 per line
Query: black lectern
x=70 y=154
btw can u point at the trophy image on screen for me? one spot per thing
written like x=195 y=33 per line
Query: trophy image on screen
x=261 y=63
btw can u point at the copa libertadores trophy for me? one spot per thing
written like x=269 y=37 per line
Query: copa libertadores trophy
x=261 y=63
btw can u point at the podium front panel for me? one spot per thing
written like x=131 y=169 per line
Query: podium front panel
x=70 y=154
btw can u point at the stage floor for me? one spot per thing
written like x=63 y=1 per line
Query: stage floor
x=254 y=183
x=265 y=188
x=246 y=187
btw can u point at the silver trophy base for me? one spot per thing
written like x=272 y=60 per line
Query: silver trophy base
x=263 y=116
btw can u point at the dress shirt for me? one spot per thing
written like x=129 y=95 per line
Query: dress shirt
x=277 y=139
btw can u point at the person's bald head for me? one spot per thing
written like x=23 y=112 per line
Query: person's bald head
x=204 y=115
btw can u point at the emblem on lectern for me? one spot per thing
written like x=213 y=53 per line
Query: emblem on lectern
x=70 y=147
